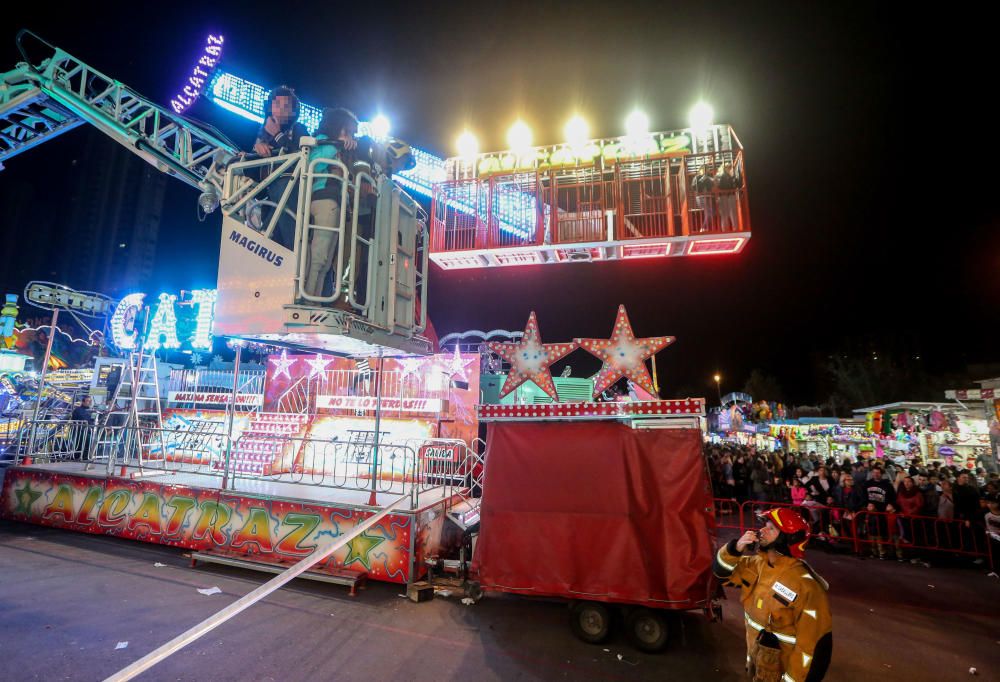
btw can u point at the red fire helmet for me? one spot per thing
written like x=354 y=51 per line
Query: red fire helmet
x=790 y=522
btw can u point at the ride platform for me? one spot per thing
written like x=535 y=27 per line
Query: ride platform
x=273 y=522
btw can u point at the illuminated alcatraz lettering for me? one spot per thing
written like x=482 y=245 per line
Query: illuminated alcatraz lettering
x=164 y=330
x=200 y=76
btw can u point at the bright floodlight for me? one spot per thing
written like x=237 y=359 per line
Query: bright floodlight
x=468 y=145
x=380 y=127
x=701 y=116
x=637 y=124
x=717 y=378
x=519 y=136
x=576 y=131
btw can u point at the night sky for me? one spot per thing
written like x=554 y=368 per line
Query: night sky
x=868 y=149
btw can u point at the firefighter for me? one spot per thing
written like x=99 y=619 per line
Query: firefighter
x=787 y=616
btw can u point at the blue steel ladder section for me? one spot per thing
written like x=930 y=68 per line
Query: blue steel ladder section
x=28 y=117
x=41 y=101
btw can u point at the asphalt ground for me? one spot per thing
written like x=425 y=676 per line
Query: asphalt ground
x=68 y=599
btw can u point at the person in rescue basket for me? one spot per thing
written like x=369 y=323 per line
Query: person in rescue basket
x=334 y=136
x=281 y=133
x=789 y=629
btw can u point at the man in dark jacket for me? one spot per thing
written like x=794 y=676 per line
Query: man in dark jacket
x=281 y=133
x=704 y=191
x=967 y=510
x=728 y=184
x=879 y=497
x=83 y=416
x=83 y=412
x=860 y=472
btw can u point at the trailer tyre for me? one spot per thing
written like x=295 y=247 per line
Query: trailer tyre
x=648 y=630
x=473 y=590
x=590 y=621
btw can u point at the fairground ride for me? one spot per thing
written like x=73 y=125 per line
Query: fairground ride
x=582 y=201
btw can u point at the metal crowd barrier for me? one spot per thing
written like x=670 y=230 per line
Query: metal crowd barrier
x=864 y=530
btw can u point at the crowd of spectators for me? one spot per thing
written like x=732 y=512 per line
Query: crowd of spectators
x=914 y=510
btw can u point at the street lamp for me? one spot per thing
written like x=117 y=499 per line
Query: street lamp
x=718 y=388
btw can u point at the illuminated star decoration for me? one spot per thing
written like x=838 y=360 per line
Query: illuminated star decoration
x=456 y=368
x=282 y=364
x=624 y=355
x=410 y=366
x=530 y=359
x=359 y=548
x=317 y=365
x=26 y=497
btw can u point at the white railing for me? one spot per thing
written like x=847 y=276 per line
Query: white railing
x=298 y=398
x=214 y=380
x=201 y=449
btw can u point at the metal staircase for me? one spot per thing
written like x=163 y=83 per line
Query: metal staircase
x=268 y=446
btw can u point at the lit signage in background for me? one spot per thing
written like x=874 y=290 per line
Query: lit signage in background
x=123 y=333
x=246 y=99
x=163 y=326
x=184 y=323
x=200 y=76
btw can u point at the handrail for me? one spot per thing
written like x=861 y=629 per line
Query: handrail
x=462 y=221
x=355 y=238
x=303 y=240
x=194 y=449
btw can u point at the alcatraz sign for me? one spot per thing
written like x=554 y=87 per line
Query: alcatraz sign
x=200 y=75
x=357 y=402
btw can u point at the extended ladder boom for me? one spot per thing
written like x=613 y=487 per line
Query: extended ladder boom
x=61 y=92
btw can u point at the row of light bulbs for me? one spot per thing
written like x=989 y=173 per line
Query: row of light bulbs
x=576 y=131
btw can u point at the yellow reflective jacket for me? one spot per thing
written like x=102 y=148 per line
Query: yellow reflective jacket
x=787 y=598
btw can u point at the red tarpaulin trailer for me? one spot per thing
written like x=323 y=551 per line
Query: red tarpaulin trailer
x=597 y=511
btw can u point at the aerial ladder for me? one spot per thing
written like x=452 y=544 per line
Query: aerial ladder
x=378 y=306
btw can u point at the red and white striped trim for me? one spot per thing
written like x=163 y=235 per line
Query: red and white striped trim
x=651 y=408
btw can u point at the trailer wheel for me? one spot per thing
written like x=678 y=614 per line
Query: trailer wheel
x=590 y=621
x=473 y=590
x=647 y=630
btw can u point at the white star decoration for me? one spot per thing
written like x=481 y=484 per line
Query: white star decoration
x=530 y=359
x=317 y=365
x=624 y=355
x=456 y=368
x=409 y=366
x=282 y=364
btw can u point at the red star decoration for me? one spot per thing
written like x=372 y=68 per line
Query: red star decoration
x=530 y=359
x=624 y=355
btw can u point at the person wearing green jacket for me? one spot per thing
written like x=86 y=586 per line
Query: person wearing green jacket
x=334 y=136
